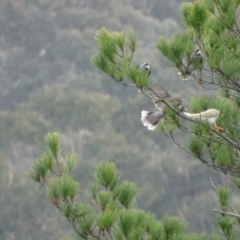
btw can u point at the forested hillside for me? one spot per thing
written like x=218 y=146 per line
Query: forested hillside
x=47 y=83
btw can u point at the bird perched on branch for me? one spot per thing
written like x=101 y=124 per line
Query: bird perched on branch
x=195 y=62
x=209 y=115
x=145 y=67
x=159 y=95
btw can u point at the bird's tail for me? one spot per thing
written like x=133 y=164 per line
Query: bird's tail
x=151 y=119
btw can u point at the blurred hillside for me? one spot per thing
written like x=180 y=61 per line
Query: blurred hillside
x=47 y=83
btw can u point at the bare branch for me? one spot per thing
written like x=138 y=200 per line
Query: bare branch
x=212 y=183
x=227 y=213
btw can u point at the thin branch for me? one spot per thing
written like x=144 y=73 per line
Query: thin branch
x=232 y=208
x=58 y=166
x=179 y=145
x=236 y=145
x=227 y=213
x=212 y=184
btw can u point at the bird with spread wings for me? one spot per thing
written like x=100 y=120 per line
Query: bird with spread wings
x=159 y=95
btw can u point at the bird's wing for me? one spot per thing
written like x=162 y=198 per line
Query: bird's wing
x=159 y=92
x=173 y=100
x=159 y=105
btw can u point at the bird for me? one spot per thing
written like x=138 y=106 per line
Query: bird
x=195 y=62
x=211 y=115
x=145 y=67
x=196 y=57
x=158 y=93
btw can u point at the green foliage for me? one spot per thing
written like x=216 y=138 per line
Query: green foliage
x=156 y=230
x=168 y=125
x=115 y=54
x=71 y=160
x=177 y=48
x=223 y=196
x=139 y=78
x=196 y=146
x=200 y=103
x=223 y=158
x=201 y=129
x=210 y=5
x=106 y=219
x=41 y=167
x=81 y=209
x=105 y=199
x=195 y=15
x=172 y=226
x=106 y=174
x=107 y=216
x=229 y=67
x=126 y=194
x=127 y=223
x=85 y=226
x=106 y=44
x=63 y=187
x=52 y=140
x=237 y=182
x=226 y=224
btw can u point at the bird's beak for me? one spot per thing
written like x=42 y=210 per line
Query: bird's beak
x=185 y=110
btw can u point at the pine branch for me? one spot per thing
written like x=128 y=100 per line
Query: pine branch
x=227 y=139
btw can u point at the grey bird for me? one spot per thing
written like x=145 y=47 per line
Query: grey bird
x=145 y=67
x=195 y=62
x=158 y=93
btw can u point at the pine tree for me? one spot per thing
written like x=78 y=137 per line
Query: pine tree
x=212 y=27
x=111 y=213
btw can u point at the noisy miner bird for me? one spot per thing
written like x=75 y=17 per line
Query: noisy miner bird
x=209 y=115
x=158 y=93
x=145 y=67
x=195 y=62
